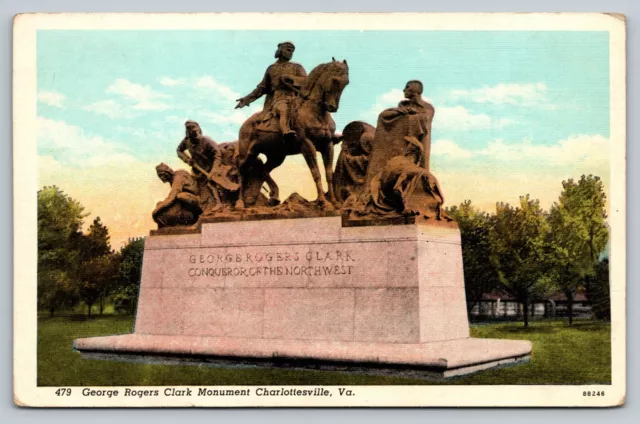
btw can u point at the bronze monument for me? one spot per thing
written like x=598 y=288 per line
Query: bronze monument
x=228 y=276
x=382 y=173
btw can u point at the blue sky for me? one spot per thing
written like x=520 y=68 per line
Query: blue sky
x=517 y=109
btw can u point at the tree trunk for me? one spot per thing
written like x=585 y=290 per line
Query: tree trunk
x=89 y=309
x=101 y=305
x=569 y=295
x=51 y=311
x=525 y=305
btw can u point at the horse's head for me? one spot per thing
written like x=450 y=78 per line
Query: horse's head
x=325 y=84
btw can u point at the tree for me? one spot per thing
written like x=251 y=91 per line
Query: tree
x=97 y=278
x=598 y=293
x=97 y=241
x=578 y=234
x=60 y=220
x=519 y=250
x=98 y=271
x=129 y=273
x=479 y=274
x=55 y=290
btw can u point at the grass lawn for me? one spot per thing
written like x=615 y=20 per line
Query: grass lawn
x=580 y=354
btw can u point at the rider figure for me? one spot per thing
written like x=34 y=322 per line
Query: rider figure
x=278 y=85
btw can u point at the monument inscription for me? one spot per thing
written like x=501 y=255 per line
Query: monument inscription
x=310 y=263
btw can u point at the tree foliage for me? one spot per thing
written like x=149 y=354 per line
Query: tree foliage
x=55 y=290
x=60 y=220
x=578 y=234
x=519 y=250
x=129 y=274
x=97 y=241
x=479 y=274
x=97 y=279
x=598 y=291
x=72 y=265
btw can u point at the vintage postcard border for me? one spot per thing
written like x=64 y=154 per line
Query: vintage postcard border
x=26 y=391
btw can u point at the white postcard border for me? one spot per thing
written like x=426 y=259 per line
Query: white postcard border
x=26 y=391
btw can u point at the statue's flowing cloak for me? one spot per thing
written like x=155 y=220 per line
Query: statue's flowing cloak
x=393 y=126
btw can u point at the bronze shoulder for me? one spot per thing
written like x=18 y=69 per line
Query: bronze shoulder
x=209 y=140
x=181 y=173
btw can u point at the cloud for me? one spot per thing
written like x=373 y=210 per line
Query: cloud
x=111 y=109
x=460 y=118
x=134 y=98
x=585 y=150
x=450 y=149
x=502 y=171
x=446 y=117
x=78 y=149
x=392 y=97
x=213 y=87
x=142 y=96
x=385 y=100
x=51 y=98
x=172 y=82
x=505 y=93
x=590 y=150
x=235 y=117
x=202 y=87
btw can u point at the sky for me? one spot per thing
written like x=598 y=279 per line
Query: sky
x=517 y=112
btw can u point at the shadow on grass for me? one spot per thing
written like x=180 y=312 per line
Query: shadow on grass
x=586 y=326
x=532 y=329
x=81 y=317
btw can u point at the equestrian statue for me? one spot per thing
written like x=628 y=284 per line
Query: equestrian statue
x=296 y=119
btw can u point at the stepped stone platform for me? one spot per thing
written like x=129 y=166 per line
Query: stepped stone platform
x=309 y=292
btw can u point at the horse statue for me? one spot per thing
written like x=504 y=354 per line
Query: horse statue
x=310 y=118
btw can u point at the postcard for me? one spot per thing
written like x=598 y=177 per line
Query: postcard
x=319 y=210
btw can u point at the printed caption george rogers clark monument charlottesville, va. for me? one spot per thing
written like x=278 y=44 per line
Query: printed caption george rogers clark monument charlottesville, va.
x=368 y=276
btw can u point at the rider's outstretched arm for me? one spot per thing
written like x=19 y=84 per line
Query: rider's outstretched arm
x=258 y=92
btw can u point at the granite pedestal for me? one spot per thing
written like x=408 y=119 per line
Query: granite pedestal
x=308 y=291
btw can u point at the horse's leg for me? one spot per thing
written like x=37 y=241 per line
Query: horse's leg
x=274 y=191
x=309 y=152
x=327 y=158
x=246 y=142
x=273 y=161
x=242 y=161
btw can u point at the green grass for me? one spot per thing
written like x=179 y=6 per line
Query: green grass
x=580 y=354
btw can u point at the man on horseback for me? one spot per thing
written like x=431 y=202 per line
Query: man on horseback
x=280 y=85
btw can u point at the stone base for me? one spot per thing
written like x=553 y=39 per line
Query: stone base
x=309 y=289
x=440 y=360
